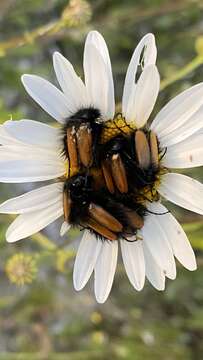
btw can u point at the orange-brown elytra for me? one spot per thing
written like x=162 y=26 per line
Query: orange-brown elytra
x=98 y=179
x=142 y=149
x=104 y=218
x=84 y=144
x=72 y=148
x=154 y=149
x=135 y=220
x=119 y=173
x=106 y=168
x=100 y=229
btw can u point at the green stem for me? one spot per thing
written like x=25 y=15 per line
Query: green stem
x=179 y=74
x=44 y=242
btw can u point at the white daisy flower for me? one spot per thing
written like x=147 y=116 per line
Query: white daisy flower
x=32 y=151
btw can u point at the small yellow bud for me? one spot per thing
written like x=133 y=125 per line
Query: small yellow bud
x=21 y=269
x=98 y=337
x=96 y=318
x=77 y=12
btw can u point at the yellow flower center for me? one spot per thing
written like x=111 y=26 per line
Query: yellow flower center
x=115 y=127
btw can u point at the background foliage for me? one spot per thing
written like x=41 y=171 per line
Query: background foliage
x=46 y=318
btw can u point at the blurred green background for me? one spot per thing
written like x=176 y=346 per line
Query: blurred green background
x=47 y=319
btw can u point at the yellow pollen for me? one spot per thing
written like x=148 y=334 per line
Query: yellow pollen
x=149 y=193
x=115 y=127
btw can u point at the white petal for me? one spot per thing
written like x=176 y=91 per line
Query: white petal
x=33 y=200
x=178 y=111
x=52 y=100
x=133 y=259
x=5 y=138
x=33 y=133
x=98 y=82
x=96 y=39
x=22 y=152
x=186 y=154
x=192 y=125
x=183 y=191
x=154 y=273
x=26 y=171
x=143 y=97
x=71 y=84
x=86 y=258
x=156 y=240
x=64 y=228
x=176 y=236
x=105 y=270
x=27 y=224
x=147 y=44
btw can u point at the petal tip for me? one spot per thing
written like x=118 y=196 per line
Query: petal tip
x=150 y=35
x=10 y=239
x=94 y=33
x=24 y=77
x=77 y=287
x=101 y=300
x=57 y=56
x=78 y=283
x=140 y=286
x=192 y=266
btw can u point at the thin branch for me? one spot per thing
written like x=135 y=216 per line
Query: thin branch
x=183 y=72
x=76 y=13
